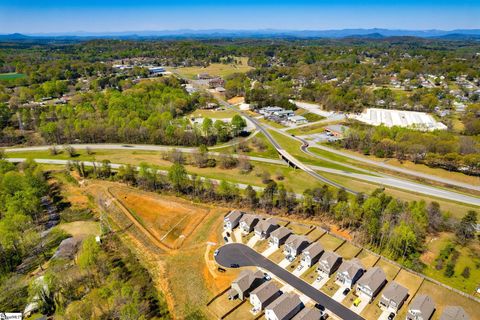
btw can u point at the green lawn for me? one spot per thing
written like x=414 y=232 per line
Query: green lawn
x=330 y=242
x=367 y=259
x=213 y=114
x=215 y=69
x=348 y=251
x=11 y=76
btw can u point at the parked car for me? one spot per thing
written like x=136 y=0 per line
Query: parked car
x=225 y=239
x=228 y=234
x=346 y=291
x=266 y=276
x=391 y=316
x=234 y=265
x=357 y=302
x=221 y=270
x=290 y=258
x=216 y=252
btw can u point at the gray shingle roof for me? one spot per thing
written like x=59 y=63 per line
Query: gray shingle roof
x=454 y=313
x=284 y=304
x=395 y=292
x=265 y=291
x=351 y=267
x=295 y=241
x=263 y=225
x=234 y=215
x=373 y=279
x=246 y=278
x=308 y=314
x=249 y=219
x=329 y=258
x=313 y=249
x=424 y=304
x=281 y=232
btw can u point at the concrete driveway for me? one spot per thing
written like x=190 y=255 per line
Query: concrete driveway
x=361 y=305
x=385 y=313
x=338 y=295
x=298 y=272
x=237 y=233
x=269 y=251
x=318 y=284
x=284 y=263
x=253 y=241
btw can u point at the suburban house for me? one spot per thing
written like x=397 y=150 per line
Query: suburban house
x=232 y=219
x=393 y=296
x=328 y=263
x=311 y=254
x=265 y=227
x=454 y=313
x=279 y=236
x=248 y=222
x=371 y=283
x=421 y=308
x=268 y=111
x=264 y=295
x=349 y=272
x=295 y=245
x=284 y=308
x=284 y=114
x=245 y=283
x=309 y=314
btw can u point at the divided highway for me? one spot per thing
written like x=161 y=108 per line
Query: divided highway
x=244 y=256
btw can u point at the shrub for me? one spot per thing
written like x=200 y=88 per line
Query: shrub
x=466 y=272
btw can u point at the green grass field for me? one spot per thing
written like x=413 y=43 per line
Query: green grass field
x=215 y=69
x=330 y=242
x=348 y=251
x=11 y=76
x=213 y=114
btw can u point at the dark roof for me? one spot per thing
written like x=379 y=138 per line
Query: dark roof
x=246 y=279
x=308 y=314
x=454 y=313
x=313 y=249
x=424 y=304
x=373 y=278
x=295 y=241
x=249 y=219
x=395 y=292
x=281 y=232
x=283 y=305
x=351 y=267
x=265 y=291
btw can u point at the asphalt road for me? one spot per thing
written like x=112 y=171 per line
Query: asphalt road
x=245 y=256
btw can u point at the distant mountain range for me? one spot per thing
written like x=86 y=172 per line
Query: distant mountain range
x=460 y=34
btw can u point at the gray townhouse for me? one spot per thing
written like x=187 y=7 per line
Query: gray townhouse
x=295 y=244
x=248 y=222
x=232 y=219
x=263 y=295
x=244 y=284
x=309 y=314
x=279 y=236
x=454 y=313
x=349 y=272
x=421 y=308
x=371 y=283
x=284 y=308
x=393 y=296
x=264 y=228
x=311 y=254
x=328 y=263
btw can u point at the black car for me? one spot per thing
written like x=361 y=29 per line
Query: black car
x=391 y=316
x=346 y=291
x=221 y=270
x=234 y=265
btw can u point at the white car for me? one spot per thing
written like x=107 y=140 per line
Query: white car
x=216 y=252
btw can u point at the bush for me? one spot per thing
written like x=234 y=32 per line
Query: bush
x=466 y=272
x=449 y=270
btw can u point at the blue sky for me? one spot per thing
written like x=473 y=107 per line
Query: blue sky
x=30 y=16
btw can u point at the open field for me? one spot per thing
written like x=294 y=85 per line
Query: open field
x=390 y=269
x=171 y=222
x=348 y=251
x=298 y=228
x=265 y=151
x=81 y=229
x=11 y=76
x=315 y=234
x=469 y=257
x=215 y=69
x=213 y=114
x=367 y=259
x=330 y=242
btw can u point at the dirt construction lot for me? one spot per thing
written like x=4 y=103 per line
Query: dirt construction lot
x=169 y=221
